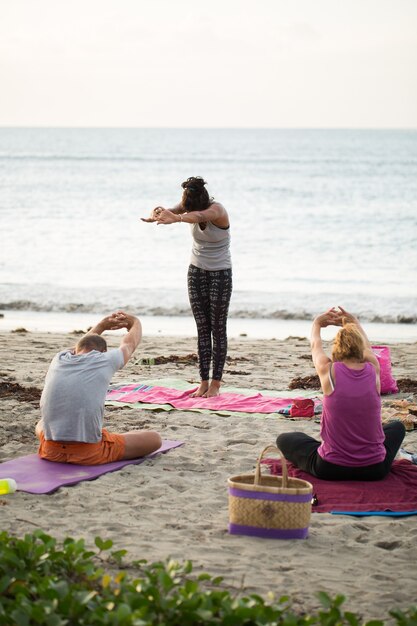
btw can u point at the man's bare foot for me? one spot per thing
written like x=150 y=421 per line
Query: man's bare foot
x=213 y=390
x=202 y=390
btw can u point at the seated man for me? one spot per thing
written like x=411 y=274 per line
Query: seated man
x=72 y=402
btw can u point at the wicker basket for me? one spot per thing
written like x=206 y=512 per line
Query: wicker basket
x=277 y=507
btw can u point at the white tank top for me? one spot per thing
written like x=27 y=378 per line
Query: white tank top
x=211 y=247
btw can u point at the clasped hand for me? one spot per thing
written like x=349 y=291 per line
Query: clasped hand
x=160 y=216
x=117 y=320
x=335 y=317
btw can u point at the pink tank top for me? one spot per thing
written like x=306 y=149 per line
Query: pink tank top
x=351 y=428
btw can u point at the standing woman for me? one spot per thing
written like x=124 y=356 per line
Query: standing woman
x=209 y=275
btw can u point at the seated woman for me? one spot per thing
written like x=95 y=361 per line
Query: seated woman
x=355 y=445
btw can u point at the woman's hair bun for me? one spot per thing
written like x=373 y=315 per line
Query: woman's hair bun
x=195 y=196
x=194 y=183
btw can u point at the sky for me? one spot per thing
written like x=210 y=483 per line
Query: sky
x=217 y=63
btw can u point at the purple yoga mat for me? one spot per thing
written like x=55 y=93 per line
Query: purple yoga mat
x=35 y=475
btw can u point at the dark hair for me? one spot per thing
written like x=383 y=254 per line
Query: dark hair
x=92 y=342
x=195 y=196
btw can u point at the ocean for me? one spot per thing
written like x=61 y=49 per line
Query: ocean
x=318 y=218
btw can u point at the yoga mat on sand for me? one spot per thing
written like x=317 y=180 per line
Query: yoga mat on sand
x=35 y=475
x=158 y=395
x=394 y=495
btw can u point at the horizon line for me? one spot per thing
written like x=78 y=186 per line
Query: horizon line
x=110 y=127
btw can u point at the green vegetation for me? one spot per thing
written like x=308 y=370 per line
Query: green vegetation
x=48 y=584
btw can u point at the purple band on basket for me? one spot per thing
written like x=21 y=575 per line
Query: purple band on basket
x=269 y=533
x=263 y=495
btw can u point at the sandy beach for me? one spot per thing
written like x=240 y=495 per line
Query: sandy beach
x=176 y=504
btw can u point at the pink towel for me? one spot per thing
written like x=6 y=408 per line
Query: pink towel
x=396 y=492
x=226 y=401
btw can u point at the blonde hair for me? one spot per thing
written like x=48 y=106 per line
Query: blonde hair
x=348 y=343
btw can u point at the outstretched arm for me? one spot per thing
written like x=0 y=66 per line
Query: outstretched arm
x=176 y=210
x=216 y=213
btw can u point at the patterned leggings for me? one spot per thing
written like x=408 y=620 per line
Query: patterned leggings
x=209 y=294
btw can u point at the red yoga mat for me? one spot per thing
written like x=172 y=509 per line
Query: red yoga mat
x=396 y=493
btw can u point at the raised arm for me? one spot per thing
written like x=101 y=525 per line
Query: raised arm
x=320 y=359
x=132 y=339
x=110 y=322
x=119 y=320
x=115 y=321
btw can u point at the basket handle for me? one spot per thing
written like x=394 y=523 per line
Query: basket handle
x=284 y=465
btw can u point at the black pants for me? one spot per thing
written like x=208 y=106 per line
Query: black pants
x=209 y=294
x=301 y=450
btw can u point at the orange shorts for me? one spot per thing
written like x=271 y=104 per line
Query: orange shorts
x=110 y=448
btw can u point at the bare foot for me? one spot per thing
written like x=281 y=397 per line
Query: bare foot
x=201 y=391
x=213 y=390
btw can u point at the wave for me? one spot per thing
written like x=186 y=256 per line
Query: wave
x=271 y=313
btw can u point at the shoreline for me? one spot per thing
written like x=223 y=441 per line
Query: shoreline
x=184 y=326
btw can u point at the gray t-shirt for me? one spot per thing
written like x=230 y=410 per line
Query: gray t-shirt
x=72 y=401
